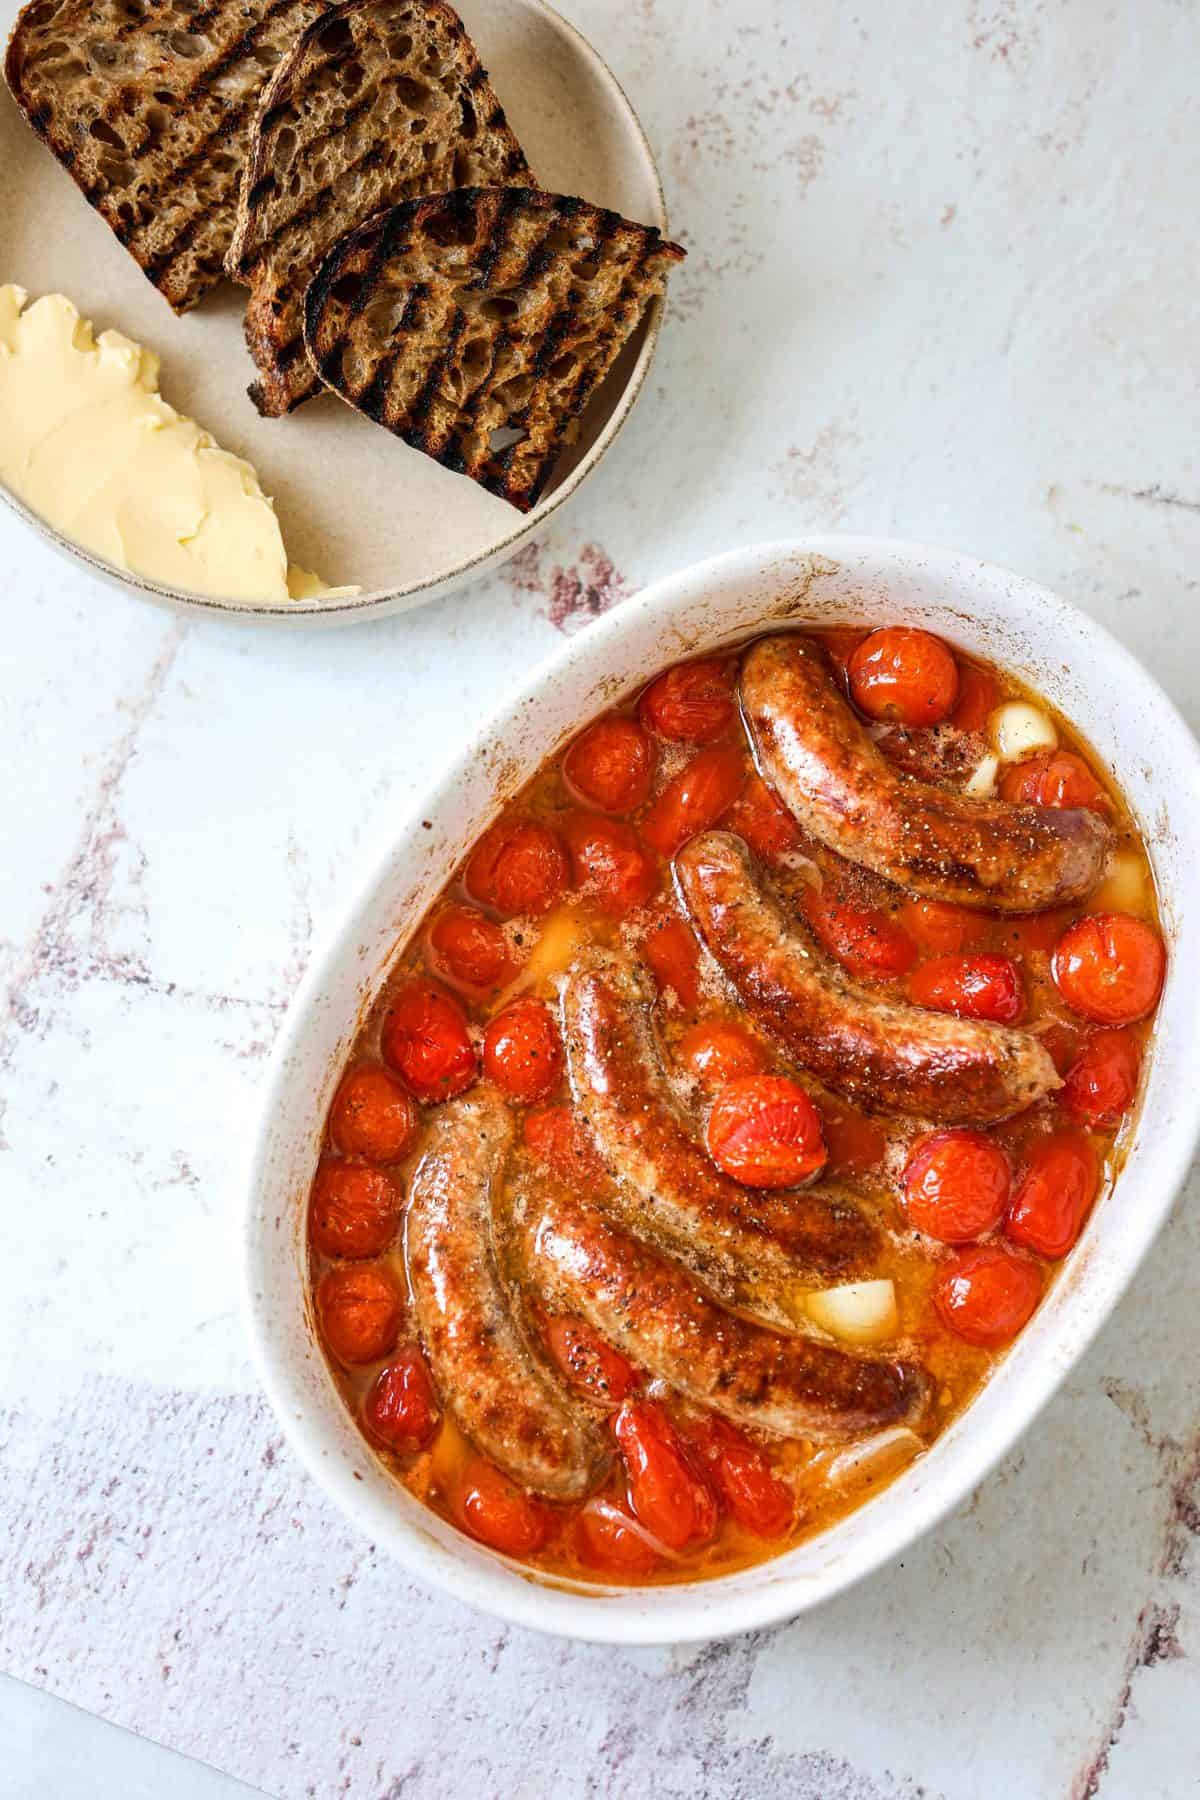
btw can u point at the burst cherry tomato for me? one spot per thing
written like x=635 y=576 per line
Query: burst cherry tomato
x=559 y=1142
x=764 y=1130
x=956 y=1185
x=611 y=764
x=941 y=926
x=668 y=1495
x=899 y=673
x=753 y=1494
x=607 y=1538
x=401 y=1409
x=425 y=1038
x=614 y=870
x=522 y=1051
x=986 y=1295
x=1109 y=967
x=372 y=1115
x=1054 y=1194
x=695 y=799
x=670 y=948
x=588 y=1361
x=972 y=987
x=1054 y=778
x=692 y=703
x=759 y=816
x=360 y=1309
x=485 y=1503
x=469 y=949
x=518 y=866
x=716 y=1051
x=865 y=939
x=1102 y=1080
x=977 y=698
x=353 y=1210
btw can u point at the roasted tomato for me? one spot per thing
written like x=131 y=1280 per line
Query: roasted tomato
x=607 y=1538
x=522 y=1051
x=470 y=950
x=759 y=816
x=353 y=1210
x=1054 y=1194
x=670 y=948
x=611 y=764
x=484 y=1502
x=695 y=798
x=401 y=1408
x=519 y=866
x=717 y=1051
x=610 y=865
x=667 y=1493
x=1102 y=1080
x=982 y=986
x=1053 y=778
x=588 y=1361
x=752 y=1493
x=372 y=1115
x=903 y=674
x=360 y=1309
x=864 y=939
x=986 y=1295
x=426 y=1039
x=764 y=1130
x=956 y=1185
x=692 y=703
x=940 y=926
x=1110 y=967
x=558 y=1141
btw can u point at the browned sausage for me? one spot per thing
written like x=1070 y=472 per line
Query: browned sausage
x=662 y=1319
x=883 y=1053
x=488 y=1377
x=985 y=853
x=746 y=1246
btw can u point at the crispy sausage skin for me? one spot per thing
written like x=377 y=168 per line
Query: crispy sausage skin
x=983 y=853
x=661 y=1318
x=883 y=1053
x=745 y=1245
x=487 y=1375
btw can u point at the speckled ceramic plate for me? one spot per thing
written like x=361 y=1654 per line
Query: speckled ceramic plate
x=354 y=503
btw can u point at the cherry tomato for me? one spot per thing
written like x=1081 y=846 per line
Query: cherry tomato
x=764 y=1130
x=986 y=1295
x=759 y=816
x=467 y=948
x=607 y=1538
x=353 y=1210
x=425 y=1038
x=865 y=939
x=695 y=799
x=522 y=1051
x=977 y=698
x=360 y=1309
x=716 y=1051
x=372 y=1115
x=611 y=764
x=558 y=1141
x=670 y=948
x=1053 y=778
x=401 y=1408
x=899 y=673
x=1109 y=967
x=956 y=1185
x=754 y=1496
x=1054 y=1194
x=588 y=1361
x=941 y=926
x=666 y=1493
x=518 y=866
x=983 y=986
x=613 y=869
x=1102 y=1080
x=484 y=1502
x=855 y=1143
x=692 y=703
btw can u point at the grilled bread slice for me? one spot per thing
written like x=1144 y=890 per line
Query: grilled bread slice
x=380 y=101
x=146 y=103
x=477 y=324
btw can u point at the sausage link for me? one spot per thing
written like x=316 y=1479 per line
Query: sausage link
x=747 y=1246
x=840 y=787
x=883 y=1053
x=487 y=1375
x=661 y=1319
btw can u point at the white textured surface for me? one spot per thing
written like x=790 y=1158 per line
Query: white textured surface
x=941 y=285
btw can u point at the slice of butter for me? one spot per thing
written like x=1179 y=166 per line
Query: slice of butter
x=88 y=443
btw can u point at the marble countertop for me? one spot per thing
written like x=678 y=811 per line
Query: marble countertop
x=941 y=285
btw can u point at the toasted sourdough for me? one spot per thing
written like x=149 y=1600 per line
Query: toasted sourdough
x=377 y=103
x=146 y=104
x=476 y=325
